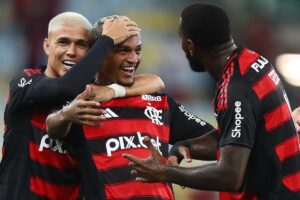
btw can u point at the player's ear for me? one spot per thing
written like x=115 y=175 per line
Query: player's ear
x=46 y=45
x=191 y=47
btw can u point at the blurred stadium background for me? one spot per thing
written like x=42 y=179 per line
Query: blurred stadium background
x=271 y=27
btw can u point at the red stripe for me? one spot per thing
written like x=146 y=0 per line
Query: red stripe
x=246 y=59
x=277 y=117
x=30 y=72
x=138 y=101
x=39 y=120
x=237 y=196
x=103 y=162
x=51 y=158
x=264 y=86
x=52 y=191
x=292 y=181
x=116 y=126
x=137 y=189
x=287 y=148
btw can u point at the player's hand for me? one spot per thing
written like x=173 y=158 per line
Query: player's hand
x=296 y=118
x=178 y=152
x=101 y=93
x=120 y=28
x=83 y=111
x=149 y=169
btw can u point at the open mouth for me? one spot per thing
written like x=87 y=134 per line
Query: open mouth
x=128 y=70
x=68 y=64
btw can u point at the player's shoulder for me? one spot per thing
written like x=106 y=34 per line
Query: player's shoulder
x=26 y=76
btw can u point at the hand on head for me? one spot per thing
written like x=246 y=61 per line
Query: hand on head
x=120 y=28
x=149 y=169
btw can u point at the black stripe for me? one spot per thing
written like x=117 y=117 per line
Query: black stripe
x=136 y=113
x=117 y=175
x=55 y=176
x=281 y=133
x=291 y=165
x=273 y=100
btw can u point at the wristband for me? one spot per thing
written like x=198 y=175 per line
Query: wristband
x=118 y=89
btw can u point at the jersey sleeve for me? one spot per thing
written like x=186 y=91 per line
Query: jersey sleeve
x=237 y=122
x=20 y=92
x=185 y=125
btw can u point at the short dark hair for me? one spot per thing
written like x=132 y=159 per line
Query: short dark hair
x=207 y=25
x=97 y=29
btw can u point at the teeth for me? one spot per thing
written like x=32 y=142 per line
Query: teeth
x=128 y=68
x=69 y=63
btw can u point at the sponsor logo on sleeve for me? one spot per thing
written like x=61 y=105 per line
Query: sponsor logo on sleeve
x=236 y=132
x=190 y=116
x=23 y=82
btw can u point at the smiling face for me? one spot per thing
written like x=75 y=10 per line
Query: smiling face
x=66 y=45
x=122 y=62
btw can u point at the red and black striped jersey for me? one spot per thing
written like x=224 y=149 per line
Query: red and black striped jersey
x=128 y=121
x=33 y=165
x=252 y=110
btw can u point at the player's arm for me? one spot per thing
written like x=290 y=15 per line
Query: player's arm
x=191 y=136
x=57 y=90
x=225 y=175
x=87 y=112
x=201 y=148
x=143 y=84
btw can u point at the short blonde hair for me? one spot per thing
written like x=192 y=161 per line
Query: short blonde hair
x=69 y=17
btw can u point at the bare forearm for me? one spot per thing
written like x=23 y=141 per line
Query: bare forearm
x=204 y=148
x=209 y=177
x=145 y=84
x=57 y=126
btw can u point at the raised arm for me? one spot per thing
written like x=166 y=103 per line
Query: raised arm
x=57 y=90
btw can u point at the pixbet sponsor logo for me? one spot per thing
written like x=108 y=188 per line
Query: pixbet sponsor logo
x=52 y=144
x=236 y=132
x=129 y=142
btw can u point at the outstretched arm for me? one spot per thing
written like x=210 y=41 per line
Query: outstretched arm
x=226 y=175
x=201 y=148
x=85 y=110
x=143 y=84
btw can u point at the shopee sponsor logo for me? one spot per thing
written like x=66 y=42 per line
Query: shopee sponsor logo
x=236 y=132
x=190 y=116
